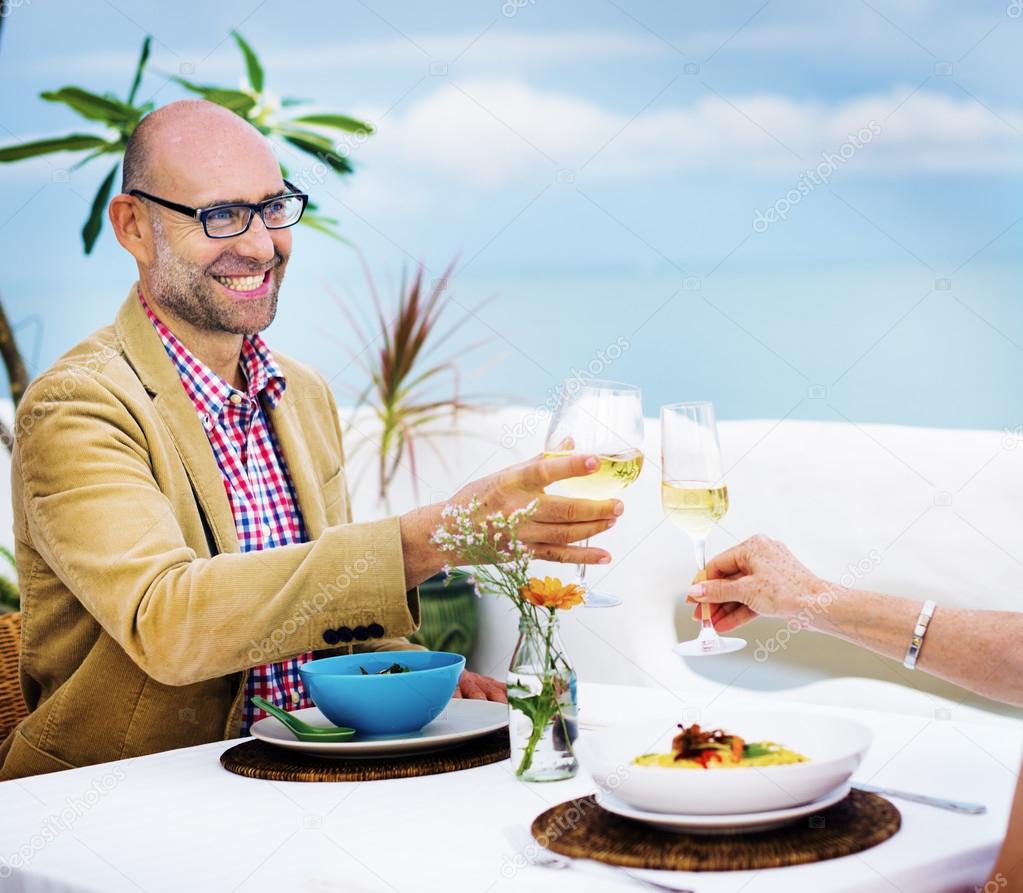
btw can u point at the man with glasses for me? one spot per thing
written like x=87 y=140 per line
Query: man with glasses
x=183 y=531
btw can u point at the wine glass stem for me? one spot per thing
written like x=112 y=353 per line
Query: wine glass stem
x=700 y=549
x=581 y=568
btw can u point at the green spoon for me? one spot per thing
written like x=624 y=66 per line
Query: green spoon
x=302 y=730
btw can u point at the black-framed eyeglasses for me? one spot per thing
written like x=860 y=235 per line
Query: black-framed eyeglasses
x=225 y=221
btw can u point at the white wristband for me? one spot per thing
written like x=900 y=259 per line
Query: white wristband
x=917 y=641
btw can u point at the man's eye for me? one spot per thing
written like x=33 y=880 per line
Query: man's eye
x=222 y=215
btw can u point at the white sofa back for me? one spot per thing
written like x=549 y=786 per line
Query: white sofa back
x=912 y=511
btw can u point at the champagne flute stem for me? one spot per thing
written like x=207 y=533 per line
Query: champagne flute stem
x=700 y=549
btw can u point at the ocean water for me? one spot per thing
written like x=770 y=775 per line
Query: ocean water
x=889 y=346
x=886 y=345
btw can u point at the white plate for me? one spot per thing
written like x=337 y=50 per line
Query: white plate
x=835 y=746
x=721 y=824
x=462 y=720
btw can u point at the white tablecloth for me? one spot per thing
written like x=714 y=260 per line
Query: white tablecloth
x=177 y=821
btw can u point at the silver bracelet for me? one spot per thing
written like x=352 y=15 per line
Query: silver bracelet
x=917 y=641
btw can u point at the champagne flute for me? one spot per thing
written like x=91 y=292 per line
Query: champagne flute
x=695 y=498
x=603 y=418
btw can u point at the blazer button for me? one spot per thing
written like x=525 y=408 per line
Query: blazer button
x=375 y=630
x=330 y=636
x=361 y=633
x=344 y=634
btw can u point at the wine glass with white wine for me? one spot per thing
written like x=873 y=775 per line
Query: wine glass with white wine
x=695 y=498
x=602 y=418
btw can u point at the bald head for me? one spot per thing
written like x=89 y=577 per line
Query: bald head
x=201 y=155
x=172 y=140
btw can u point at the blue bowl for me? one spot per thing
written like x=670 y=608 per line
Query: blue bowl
x=392 y=704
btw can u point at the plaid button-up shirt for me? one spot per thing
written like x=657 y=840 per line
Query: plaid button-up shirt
x=256 y=479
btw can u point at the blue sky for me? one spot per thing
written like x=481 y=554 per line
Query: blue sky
x=598 y=167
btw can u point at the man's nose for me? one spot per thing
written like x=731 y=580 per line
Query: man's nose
x=256 y=242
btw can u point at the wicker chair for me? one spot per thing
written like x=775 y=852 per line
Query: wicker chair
x=12 y=704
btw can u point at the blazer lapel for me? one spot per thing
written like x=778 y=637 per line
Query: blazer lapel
x=147 y=356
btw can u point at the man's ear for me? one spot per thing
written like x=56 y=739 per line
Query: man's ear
x=131 y=227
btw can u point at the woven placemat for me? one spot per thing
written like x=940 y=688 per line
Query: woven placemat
x=257 y=759
x=582 y=830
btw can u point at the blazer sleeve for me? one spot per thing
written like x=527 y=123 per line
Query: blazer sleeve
x=98 y=518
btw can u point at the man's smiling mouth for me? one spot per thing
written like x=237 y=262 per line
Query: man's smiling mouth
x=243 y=283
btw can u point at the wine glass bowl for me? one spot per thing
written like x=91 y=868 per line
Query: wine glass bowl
x=605 y=419
x=694 y=497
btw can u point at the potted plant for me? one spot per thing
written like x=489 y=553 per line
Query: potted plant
x=408 y=413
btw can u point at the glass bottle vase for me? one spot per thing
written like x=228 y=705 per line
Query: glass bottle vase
x=542 y=707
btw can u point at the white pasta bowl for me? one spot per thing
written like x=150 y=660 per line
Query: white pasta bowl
x=834 y=746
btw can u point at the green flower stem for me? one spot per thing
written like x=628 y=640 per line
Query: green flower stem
x=548 y=700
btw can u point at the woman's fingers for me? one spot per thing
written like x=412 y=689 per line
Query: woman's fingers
x=735 y=561
x=729 y=620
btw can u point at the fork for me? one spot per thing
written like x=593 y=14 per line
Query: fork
x=542 y=858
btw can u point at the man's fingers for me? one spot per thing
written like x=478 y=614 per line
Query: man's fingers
x=562 y=508
x=469 y=687
x=569 y=554
x=563 y=534
x=543 y=472
x=496 y=691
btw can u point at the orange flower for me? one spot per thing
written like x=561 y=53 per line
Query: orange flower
x=551 y=593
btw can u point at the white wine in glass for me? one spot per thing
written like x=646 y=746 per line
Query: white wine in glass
x=694 y=498
x=605 y=419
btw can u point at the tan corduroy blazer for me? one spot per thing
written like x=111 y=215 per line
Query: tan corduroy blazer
x=140 y=614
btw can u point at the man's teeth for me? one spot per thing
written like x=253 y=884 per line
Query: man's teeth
x=241 y=283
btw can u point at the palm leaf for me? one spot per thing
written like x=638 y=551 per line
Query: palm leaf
x=340 y=122
x=90 y=232
x=322 y=149
x=252 y=66
x=72 y=143
x=143 y=58
x=237 y=101
x=323 y=225
x=93 y=106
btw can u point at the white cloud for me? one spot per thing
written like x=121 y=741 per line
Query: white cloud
x=490 y=132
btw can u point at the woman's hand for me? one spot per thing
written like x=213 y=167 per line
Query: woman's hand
x=759 y=576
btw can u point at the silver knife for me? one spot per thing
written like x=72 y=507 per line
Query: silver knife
x=951 y=805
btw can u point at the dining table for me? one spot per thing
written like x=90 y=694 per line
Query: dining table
x=178 y=821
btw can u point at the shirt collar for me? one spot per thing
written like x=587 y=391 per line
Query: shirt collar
x=207 y=390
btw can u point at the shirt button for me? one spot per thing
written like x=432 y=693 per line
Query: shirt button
x=236 y=398
x=267 y=531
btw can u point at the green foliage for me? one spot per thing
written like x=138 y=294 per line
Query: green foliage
x=400 y=388
x=10 y=598
x=310 y=133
